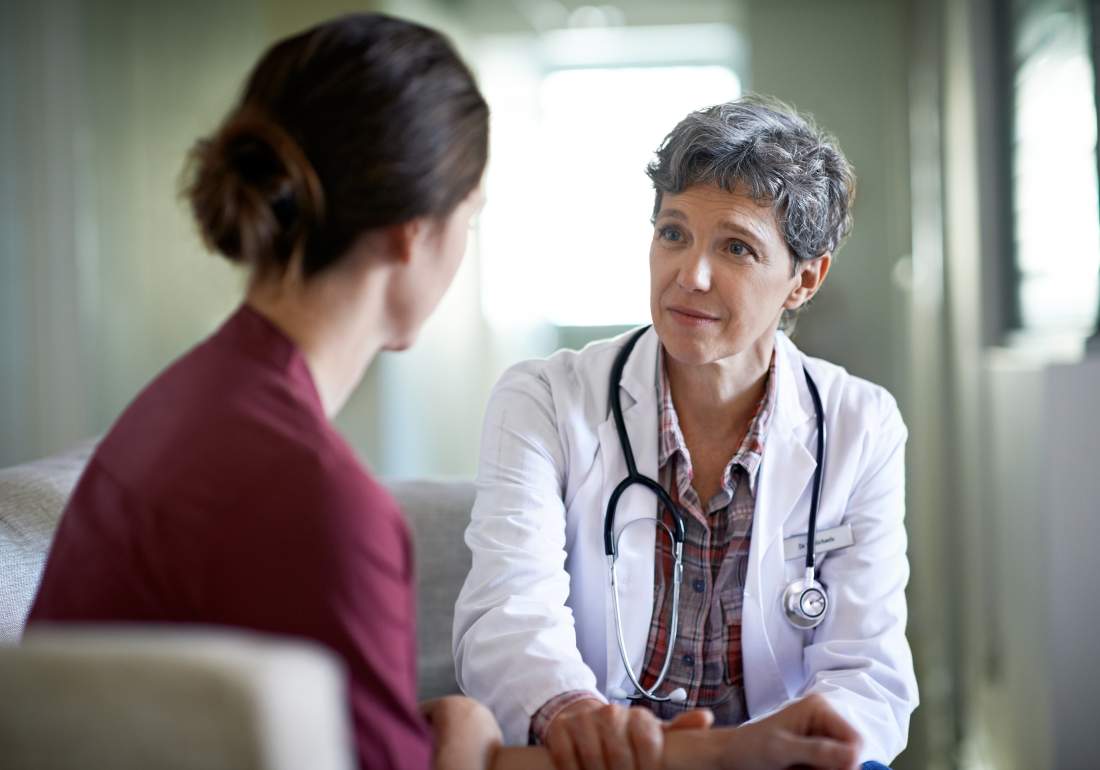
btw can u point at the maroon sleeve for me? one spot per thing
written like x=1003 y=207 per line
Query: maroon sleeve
x=325 y=554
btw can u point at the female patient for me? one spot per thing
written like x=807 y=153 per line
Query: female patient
x=345 y=181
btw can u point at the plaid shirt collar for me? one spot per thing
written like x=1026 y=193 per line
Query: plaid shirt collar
x=748 y=455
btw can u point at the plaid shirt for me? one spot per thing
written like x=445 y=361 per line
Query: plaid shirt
x=707 y=657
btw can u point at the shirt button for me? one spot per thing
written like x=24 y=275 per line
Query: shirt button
x=699 y=586
x=689 y=660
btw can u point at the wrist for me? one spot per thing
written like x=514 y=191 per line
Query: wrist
x=553 y=708
x=692 y=749
x=465 y=734
x=579 y=706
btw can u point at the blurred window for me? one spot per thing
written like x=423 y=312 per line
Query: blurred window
x=1055 y=208
x=576 y=116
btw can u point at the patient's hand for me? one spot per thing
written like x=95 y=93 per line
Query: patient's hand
x=466 y=735
x=591 y=735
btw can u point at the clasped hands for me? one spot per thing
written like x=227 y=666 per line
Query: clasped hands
x=591 y=735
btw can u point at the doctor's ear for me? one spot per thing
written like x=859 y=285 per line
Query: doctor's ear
x=809 y=276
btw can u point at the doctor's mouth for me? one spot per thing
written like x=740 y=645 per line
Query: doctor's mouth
x=692 y=318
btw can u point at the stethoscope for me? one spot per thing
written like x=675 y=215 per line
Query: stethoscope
x=804 y=600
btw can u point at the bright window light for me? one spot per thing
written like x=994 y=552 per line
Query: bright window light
x=565 y=232
x=1057 y=222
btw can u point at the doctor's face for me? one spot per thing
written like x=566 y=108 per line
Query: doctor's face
x=720 y=275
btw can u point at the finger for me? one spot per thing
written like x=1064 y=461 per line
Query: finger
x=562 y=751
x=437 y=708
x=617 y=748
x=827 y=722
x=647 y=737
x=823 y=753
x=588 y=743
x=696 y=719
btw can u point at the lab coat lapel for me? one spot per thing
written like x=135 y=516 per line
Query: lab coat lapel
x=786 y=471
x=634 y=569
x=788 y=463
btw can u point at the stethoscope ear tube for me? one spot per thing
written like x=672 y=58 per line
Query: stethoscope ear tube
x=610 y=546
x=617 y=404
x=815 y=491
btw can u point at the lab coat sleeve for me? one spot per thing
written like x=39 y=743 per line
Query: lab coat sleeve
x=859 y=658
x=514 y=642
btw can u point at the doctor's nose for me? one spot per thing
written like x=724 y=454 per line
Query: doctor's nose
x=694 y=273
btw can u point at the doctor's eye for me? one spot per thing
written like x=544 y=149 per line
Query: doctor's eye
x=740 y=249
x=670 y=233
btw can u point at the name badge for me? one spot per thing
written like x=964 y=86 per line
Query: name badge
x=824 y=541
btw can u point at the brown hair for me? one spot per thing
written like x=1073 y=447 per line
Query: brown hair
x=358 y=123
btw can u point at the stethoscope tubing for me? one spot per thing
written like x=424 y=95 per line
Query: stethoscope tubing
x=677 y=533
x=815 y=491
x=642 y=692
x=632 y=475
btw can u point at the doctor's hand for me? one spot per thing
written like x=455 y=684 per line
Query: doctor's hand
x=591 y=735
x=807 y=733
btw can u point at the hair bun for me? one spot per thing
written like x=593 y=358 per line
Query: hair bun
x=253 y=191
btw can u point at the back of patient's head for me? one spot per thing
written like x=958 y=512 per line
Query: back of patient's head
x=356 y=124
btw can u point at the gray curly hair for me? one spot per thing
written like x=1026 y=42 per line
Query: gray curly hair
x=779 y=155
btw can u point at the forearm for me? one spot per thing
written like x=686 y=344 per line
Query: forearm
x=695 y=749
x=521 y=758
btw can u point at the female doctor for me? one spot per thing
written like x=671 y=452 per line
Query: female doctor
x=696 y=514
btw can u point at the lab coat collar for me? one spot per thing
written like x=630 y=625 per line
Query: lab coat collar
x=639 y=380
x=793 y=403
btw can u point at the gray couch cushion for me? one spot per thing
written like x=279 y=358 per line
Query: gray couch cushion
x=438 y=512
x=32 y=497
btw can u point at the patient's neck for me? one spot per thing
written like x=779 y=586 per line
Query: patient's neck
x=336 y=318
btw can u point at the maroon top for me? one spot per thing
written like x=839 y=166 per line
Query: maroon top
x=223 y=496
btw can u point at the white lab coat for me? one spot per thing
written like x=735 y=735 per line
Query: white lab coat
x=534 y=616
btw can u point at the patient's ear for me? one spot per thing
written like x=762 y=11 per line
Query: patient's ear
x=808 y=278
x=393 y=243
x=404 y=239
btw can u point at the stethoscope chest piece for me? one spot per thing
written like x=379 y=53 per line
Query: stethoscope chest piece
x=805 y=602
